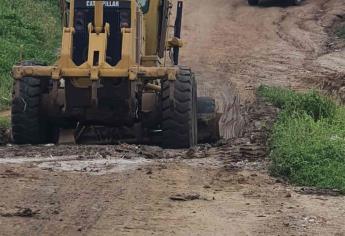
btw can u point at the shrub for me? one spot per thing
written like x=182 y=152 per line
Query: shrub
x=308 y=140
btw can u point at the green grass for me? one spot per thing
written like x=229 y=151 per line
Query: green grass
x=5 y=123
x=33 y=25
x=308 y=141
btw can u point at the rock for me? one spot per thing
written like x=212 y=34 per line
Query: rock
x=20 y=212
x=185 y=197
x=151 y=152
x=56 y=212
x=197 y=152
x=49 y=145
x=261 y=216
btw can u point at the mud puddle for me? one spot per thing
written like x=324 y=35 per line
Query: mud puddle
x=75 y=164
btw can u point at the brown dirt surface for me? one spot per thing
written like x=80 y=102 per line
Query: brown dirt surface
x=219 y=189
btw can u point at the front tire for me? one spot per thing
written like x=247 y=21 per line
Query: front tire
x=29 y=125
x=179 y=119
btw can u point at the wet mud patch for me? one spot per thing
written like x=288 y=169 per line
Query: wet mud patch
x=75 y=163
x=247 y=125
x=89 y=152
x=96 y=159
x=96 y=166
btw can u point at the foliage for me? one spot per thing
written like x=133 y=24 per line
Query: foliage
x=28 y=27
x=308 y=141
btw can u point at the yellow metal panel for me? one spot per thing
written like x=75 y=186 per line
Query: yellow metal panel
x=97 y=44
x=104 y=71
x=151 y=19
x=71 y=14
x=98 y=16
x=141 y=37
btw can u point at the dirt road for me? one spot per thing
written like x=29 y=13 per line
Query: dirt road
x=224 y=190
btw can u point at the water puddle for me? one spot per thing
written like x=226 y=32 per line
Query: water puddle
x=74 y=164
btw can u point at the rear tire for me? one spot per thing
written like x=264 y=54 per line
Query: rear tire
x=253 y=2
x=179 y=124
x=29 y=126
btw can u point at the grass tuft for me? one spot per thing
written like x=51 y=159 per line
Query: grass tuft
x=308 y=141
x=310 y=103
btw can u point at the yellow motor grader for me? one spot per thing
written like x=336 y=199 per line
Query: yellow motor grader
x=117 y=79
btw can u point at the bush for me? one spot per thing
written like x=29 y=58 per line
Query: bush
x=31 y=26
x=308 y=141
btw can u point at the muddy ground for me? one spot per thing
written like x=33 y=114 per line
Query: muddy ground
x=212 y=189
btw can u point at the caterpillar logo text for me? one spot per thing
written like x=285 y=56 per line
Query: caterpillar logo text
x=105 y=3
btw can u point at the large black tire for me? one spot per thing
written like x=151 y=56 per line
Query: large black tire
x=29 y=125
x=179 y=120
x=253 y=2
